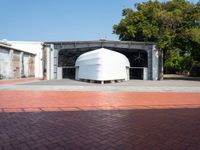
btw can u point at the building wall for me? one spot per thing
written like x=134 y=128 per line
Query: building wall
x=35 y=48
x=26 y=65
x=15 y=64
x=4 y=63
x=31 y=66
x=45 y=62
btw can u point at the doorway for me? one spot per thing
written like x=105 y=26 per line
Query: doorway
x=69 y=72
x=136 y=73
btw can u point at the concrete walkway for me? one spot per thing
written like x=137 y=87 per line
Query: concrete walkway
x=131 y=86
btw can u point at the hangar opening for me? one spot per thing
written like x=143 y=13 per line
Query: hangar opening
x=66 y=60
x=138 y=61
x=139 y=64
x=68 y=72
x=144 y=57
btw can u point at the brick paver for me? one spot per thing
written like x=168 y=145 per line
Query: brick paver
x=103 y=129
x=96 y=100
x=13 y=81
x=52 y=120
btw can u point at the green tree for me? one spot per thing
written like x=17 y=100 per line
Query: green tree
x=173 y=25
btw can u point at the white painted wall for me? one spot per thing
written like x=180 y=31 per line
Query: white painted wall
x=26 y=65
x=5 y=63
x=154 y=63
x=50 y=62
x=34 y=48
x=145 y=73
x=60 y=75
x=102 y=64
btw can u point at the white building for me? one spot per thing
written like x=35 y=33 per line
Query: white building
x=16 y=63
x=34 y=48
x=71 y=59
x=102 y=65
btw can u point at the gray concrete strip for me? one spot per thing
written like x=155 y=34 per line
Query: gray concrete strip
x=132 y=83
x=100 y=88
x=130 y=86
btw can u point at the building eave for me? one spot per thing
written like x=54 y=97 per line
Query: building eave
x=9 y=47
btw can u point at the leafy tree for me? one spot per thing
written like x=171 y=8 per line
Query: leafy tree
x=173 y=62
x=173 y=25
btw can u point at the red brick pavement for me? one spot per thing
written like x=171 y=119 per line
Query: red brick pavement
x=13 y=81
x=52 y=120
x=64 y=100
x=141 y=129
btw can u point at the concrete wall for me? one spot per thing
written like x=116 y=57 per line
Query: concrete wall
x=48 y=62
x=26 y=65
x=35 y=48
x=155 y=61
x=15 y=64
x=5 y=63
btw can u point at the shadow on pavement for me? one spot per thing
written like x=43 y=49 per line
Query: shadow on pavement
x=101 y=129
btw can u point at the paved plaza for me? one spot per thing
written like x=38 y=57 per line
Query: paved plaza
x=50 y=115
x=101 y=130
x=131 y=85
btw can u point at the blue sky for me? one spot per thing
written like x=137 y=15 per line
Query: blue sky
x=55 y=20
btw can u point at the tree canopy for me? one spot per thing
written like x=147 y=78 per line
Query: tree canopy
x=174 y=25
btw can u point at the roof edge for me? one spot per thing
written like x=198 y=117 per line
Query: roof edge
x=101 y=41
